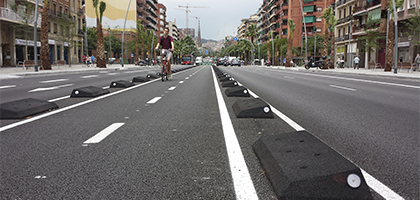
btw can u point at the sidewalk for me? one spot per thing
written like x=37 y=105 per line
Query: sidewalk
x=13 y=72
x=361 y=71
x=16 y=72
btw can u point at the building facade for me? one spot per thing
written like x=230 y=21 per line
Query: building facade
x=274 y=16
x=245 y=23
x=161 y=19
x=17 y=31
x=173 y=30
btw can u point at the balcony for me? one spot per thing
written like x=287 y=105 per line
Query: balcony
x=151 y=4
x=342 y=38
x=9 y=14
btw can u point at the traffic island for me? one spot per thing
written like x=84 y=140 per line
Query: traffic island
x=24 y=108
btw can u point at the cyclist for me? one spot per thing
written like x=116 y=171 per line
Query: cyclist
x=167 y=43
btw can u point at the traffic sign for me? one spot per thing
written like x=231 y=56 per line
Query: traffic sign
x=235 y=39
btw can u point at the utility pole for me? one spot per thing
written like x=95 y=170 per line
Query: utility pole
x=186 y=11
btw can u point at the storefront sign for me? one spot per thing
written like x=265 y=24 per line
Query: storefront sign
x=403 y=44
x=20 y=42
x=27 y=42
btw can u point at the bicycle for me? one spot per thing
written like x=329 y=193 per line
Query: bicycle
x=164 y=73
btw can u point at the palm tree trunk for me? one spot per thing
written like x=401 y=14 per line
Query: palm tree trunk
x=325 y=51
x=142 y=49
x=390 y=47
x=289 y=52
x=45 y=51
x=100 y=45
x=332 y=51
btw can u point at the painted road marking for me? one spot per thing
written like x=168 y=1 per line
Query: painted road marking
x=53 y=81
x=60 y=98
x=242 y=182
x=50 y=88
x=344 y=88
x=103 y=134
x=154 y=100
x=90 y=76
x=181 y=81
x=7 y=86
x=172 y=88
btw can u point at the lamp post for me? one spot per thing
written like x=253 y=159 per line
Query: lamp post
x=395 y=39
x=86 y=41
x=35 y=35
x=122 y=39
x=306 y=36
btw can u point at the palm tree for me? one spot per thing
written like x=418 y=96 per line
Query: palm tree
x=101 y=63
x=327 y=14
x=45 y=51
x=251 y=32
x=333 y=23
x=289 y=53
x=391 y=34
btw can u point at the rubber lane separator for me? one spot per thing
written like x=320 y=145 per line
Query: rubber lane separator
x=242 y=182
x=103 y=134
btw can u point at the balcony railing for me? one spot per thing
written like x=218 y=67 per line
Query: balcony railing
x=342 y=38
x=12 y=15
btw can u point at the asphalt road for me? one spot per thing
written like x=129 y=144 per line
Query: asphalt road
x=167 y=140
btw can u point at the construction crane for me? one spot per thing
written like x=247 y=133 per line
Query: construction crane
x=186 y=11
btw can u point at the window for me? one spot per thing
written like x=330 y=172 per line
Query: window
x=55 y=28
x=308 y=8
x=344 y=13
x=318 y=19
x=49 y=27
x=411 y=4
x=339 y=32
x=318 y=30
x=339 y=14
x=319 y=9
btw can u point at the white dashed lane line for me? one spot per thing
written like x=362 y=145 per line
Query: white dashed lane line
x=103 y=134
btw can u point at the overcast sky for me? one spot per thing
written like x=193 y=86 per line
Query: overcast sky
x=221 y=18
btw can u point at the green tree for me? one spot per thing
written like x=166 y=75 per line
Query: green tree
x=328 y=15
x=67 y=31
x=251 y=32
x=25 y=11
x=372 y=36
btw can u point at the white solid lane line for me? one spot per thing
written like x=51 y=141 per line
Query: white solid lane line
x=7 y=86
x=60 y=98
x=104 y=133
x=154 y=100
x=53 y=81
x=344 y=88
x=242 y=182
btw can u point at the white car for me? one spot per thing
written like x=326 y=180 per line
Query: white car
x=198 y=60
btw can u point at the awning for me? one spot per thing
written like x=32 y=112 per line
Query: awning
x=309 y=19
x=308 y=8
x=308 y=0
x=375 y=14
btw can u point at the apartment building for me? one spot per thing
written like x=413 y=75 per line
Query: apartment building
x=162 y=19
x=352 y=16
x=245 y=23
x=274 y=16
x=173 y=30
x=17 y=35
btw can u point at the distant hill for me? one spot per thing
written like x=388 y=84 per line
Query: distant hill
x=207 y=40
x=213 y=44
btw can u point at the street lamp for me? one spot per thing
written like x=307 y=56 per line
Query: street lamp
x=35 y=40
x=306 y=36
x=86 y=41
x=122 y=39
